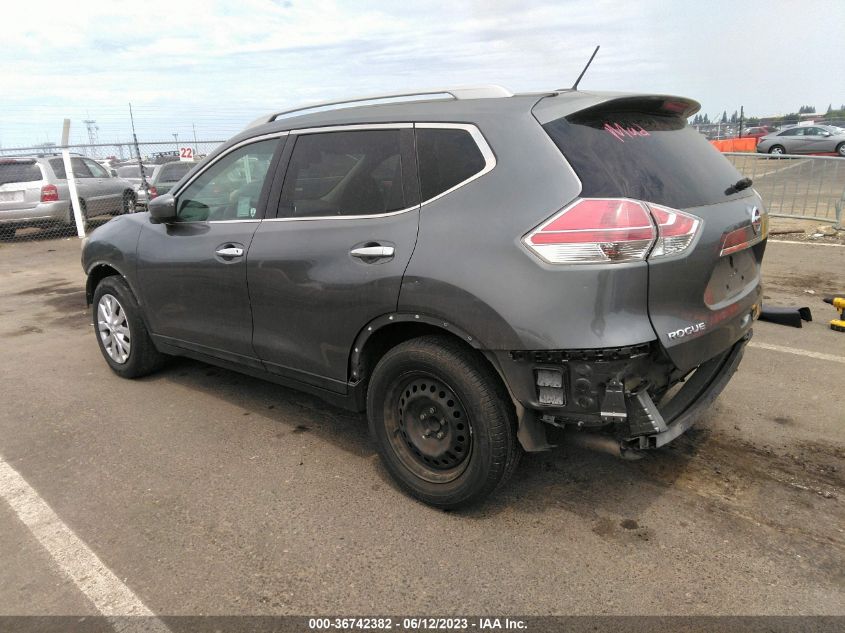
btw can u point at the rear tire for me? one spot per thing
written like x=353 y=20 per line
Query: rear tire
x=71 y=220
x=121 y=333
x=128 y=203
x=443 y=422
x=777 y=149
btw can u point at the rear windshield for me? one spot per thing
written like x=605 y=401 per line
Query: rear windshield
x=174 y=172
x=19 y=172
x=133 y=171
x=643 y=156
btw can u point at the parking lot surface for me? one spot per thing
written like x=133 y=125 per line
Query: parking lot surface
x=207 y=492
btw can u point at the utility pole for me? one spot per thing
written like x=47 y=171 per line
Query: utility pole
x=176 y=139
x=741 y=117
x=196 y=149
x=144 y=184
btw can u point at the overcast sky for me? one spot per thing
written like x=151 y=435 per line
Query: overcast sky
x=218 y=65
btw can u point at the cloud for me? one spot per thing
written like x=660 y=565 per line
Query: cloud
x=219 y=64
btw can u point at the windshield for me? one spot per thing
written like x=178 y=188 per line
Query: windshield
x=643 y=156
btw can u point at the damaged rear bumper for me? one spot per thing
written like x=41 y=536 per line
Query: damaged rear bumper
x=653 y=427
x=633 y=394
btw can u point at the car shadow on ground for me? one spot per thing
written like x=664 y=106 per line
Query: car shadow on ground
x=576 y=479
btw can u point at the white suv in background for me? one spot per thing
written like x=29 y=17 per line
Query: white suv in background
x=34 y=192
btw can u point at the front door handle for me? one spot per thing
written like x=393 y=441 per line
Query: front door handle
x=365 y=252
x=230 y=251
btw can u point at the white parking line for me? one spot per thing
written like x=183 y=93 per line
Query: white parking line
x=99 y=584
x=798 y=352
x=773 y=241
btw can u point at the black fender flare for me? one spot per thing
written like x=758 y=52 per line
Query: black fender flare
x=402 y=317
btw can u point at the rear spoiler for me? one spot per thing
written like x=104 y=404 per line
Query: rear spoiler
x=564 y=104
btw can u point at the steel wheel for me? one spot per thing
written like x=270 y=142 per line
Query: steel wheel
x=113 y=328
x=431 y=433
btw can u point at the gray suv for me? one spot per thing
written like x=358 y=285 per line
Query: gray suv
x=34 y=192
x=470 y=269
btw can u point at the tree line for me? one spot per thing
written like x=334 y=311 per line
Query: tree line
x=792 y=117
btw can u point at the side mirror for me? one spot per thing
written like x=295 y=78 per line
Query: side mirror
x=825 y=133
x=162 y=209
x=113 y=173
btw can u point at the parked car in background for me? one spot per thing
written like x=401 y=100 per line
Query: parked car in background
x=469 y=270
x=167 y=175
x=132 y=173
x=34 y=192
x=756 y=132
x=804 y=139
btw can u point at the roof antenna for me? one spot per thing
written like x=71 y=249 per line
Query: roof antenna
x=577 y=81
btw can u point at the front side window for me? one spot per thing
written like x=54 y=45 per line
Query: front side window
x=230 y=188
x=80 y=169
x=345 y=173
x=447 y=158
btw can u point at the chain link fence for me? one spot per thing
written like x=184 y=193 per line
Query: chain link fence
x=35 y=190
x=35 y=193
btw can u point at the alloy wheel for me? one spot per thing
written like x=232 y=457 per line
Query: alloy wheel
x=113 y=328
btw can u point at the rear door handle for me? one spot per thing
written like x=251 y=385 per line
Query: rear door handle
x=230 y=251
x=364 y=252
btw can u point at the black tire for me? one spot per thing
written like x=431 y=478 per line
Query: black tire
x=467 y=448
x=71 y=220
x=143 y=358
x=840 y=149
x=128 y=203
x=777 y=149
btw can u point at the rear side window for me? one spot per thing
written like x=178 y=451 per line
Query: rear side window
x=345 y=173
x=644 y=156
x=447 y=158
x=79 y=168
x=15 y=171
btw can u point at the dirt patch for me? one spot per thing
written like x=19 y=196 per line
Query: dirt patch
x=73 y=301
x=756 y=482
x=55 y=287
x=820 y=284
x=23 y=331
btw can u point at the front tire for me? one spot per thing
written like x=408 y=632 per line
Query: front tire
x=840 y=149
x=777 y=149
x=443 y=422
x=121 y=334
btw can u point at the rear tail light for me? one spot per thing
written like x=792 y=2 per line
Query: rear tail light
x=611 y=230
x=675 y=230
x=593 y=230
x=152 y=192
x=49 y=193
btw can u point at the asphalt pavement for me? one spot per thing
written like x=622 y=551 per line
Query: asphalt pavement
x=207 y=492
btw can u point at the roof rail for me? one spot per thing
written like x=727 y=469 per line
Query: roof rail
x=463 y=92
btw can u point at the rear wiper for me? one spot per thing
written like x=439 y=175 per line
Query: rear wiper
x=739 y=185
